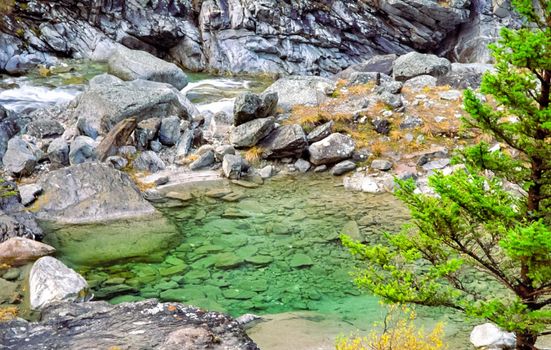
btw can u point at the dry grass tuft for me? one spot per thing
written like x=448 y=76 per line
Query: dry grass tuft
x=253 y=154
x=8 y=313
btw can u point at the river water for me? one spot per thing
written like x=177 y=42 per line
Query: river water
x=272 y=250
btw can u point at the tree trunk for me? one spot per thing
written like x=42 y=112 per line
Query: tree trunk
x=526 y=341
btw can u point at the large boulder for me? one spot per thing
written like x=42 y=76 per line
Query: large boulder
x=51 y=281
x=248 y=134
x=232 y=166
x=19 y=158
x=134 y=64
x=89 y=192
x=249 y=106
x=332 y=149
x=18 y=251
x=302 y=90
x=414 y=64
x=139 y=325
x=45 y=129
x=169 y=132
x=102 y=106
x=285 y=141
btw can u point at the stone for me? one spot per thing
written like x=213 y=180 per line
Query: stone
x=232 y=165
x=343 y=167
x=436 y=164
x=391 y=100
x=362 y=78
x=320 y=168
x=204 y=160
x=352 y=230
x=465 y=75
x=285 y=141
x=82 y=149
x=420 y=82
x=218 y=127
x=302 y=90
x=267 y=172
x=29 y=193
x=300 y=260
x=183 y=146
x=148 y=161
x=128 y=152
x=261 y=260
x=381 y=164
x=115 y=138
x=181 y=196
x=18 y=251
x=332 y=149
x=414 y=64
x=151 y=325
x=45 y=129
x=51 y=281
x=7 y=291
x=249 y=106
x=117 y=162
x=129 y=64
x=411 y=122
x=146 y=131
x=19 y=158
x=302 y=165
x=227 y=261
x=489 y=336
x=169 y=132
x=320 y=132
x=89 y=192
x=246 y=184
x=101 y=107
x=221 y=151
x=249 y=133
x=58 y=153
x=392 y=87
x=381 y=125
x=379 y=64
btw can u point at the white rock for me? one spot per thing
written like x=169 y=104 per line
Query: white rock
x=490 y=337
x=51 y=281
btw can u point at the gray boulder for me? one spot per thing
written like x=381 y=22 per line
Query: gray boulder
x=101 y=107
x=320 y=132
x=169 y=132
x=138 y=325
x=29 y=193
x=205 y=160
x=489 y=336
x=249 y=133
x=343 y=167
x=82 y=150
x=218 y=128
x=249 y=106
x=45 y=129
x=134 y=64
x=420 y=82
x=148 y=161
x=332 y=149
x=376 y=64
x=117 y=162
x=8 y=129
x=232 y=165
x=302 y=90
x=146 y=131
x=58 y=152
x=414 y=63
x=285 y=141
x=89 y=192
x=381 y=164
x=51 y=281
x=19 y=158
x=302 y=165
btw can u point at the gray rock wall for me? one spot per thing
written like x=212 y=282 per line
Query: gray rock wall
x=238 y=36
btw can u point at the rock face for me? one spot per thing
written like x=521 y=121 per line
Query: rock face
x=51 y=281
x=245 y=36
x=102 y=106
x=135 y=64
x=89 y=192
x=146 y=324
x=332 y=149
x=19 y=251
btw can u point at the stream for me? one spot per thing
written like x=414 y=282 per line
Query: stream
x=272 y=251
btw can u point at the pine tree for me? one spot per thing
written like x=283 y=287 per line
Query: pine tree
x=482 y=245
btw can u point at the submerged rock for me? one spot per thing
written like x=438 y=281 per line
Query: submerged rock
x=51 y=281
x=145 y=324
x=89 y=192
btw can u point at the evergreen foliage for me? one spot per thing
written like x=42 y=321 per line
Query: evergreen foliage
x=482 y=245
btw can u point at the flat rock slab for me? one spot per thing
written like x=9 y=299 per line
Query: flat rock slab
x=18 y=251
x=140 y=325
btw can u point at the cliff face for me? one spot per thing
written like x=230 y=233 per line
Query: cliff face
x=238 y=36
